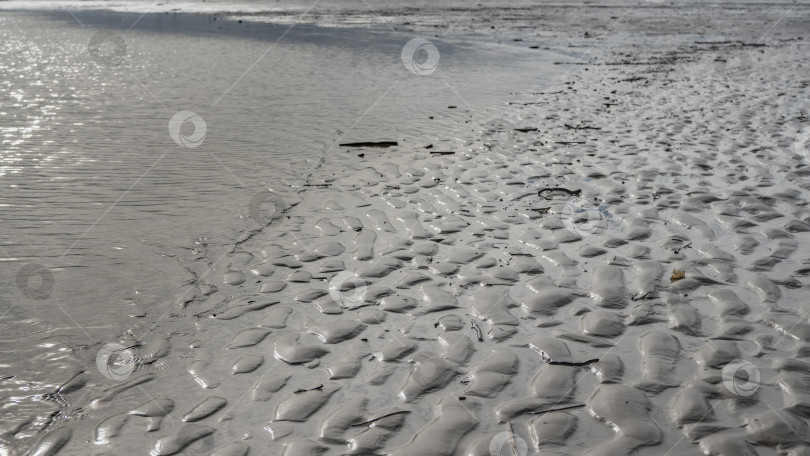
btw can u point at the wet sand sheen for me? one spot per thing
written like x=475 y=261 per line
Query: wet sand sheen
x=417 y=303
x=115 y=211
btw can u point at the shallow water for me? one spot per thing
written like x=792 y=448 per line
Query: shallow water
x=490 y=295
x=108 y=210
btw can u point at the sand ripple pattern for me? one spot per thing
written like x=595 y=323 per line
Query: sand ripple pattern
x=412 y=303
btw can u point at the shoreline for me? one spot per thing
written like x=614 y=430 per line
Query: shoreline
x=498 y=273
x=441 y=204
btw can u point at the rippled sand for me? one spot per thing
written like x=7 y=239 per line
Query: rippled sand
x=613 y=265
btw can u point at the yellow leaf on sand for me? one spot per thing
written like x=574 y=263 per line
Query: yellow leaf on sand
x=677 y=274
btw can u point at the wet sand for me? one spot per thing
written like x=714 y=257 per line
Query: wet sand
x=616 y=265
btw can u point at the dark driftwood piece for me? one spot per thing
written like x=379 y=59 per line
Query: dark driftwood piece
x=370 y=144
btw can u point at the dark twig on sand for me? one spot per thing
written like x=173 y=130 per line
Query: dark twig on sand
x=678 y=250
x=477 y=330
x=370 y=144
x=381 y=417
x=558 y=189
x=644 y=296
x=581 y=127
x=574 y=363
x=540 y=412
x=319 y=387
